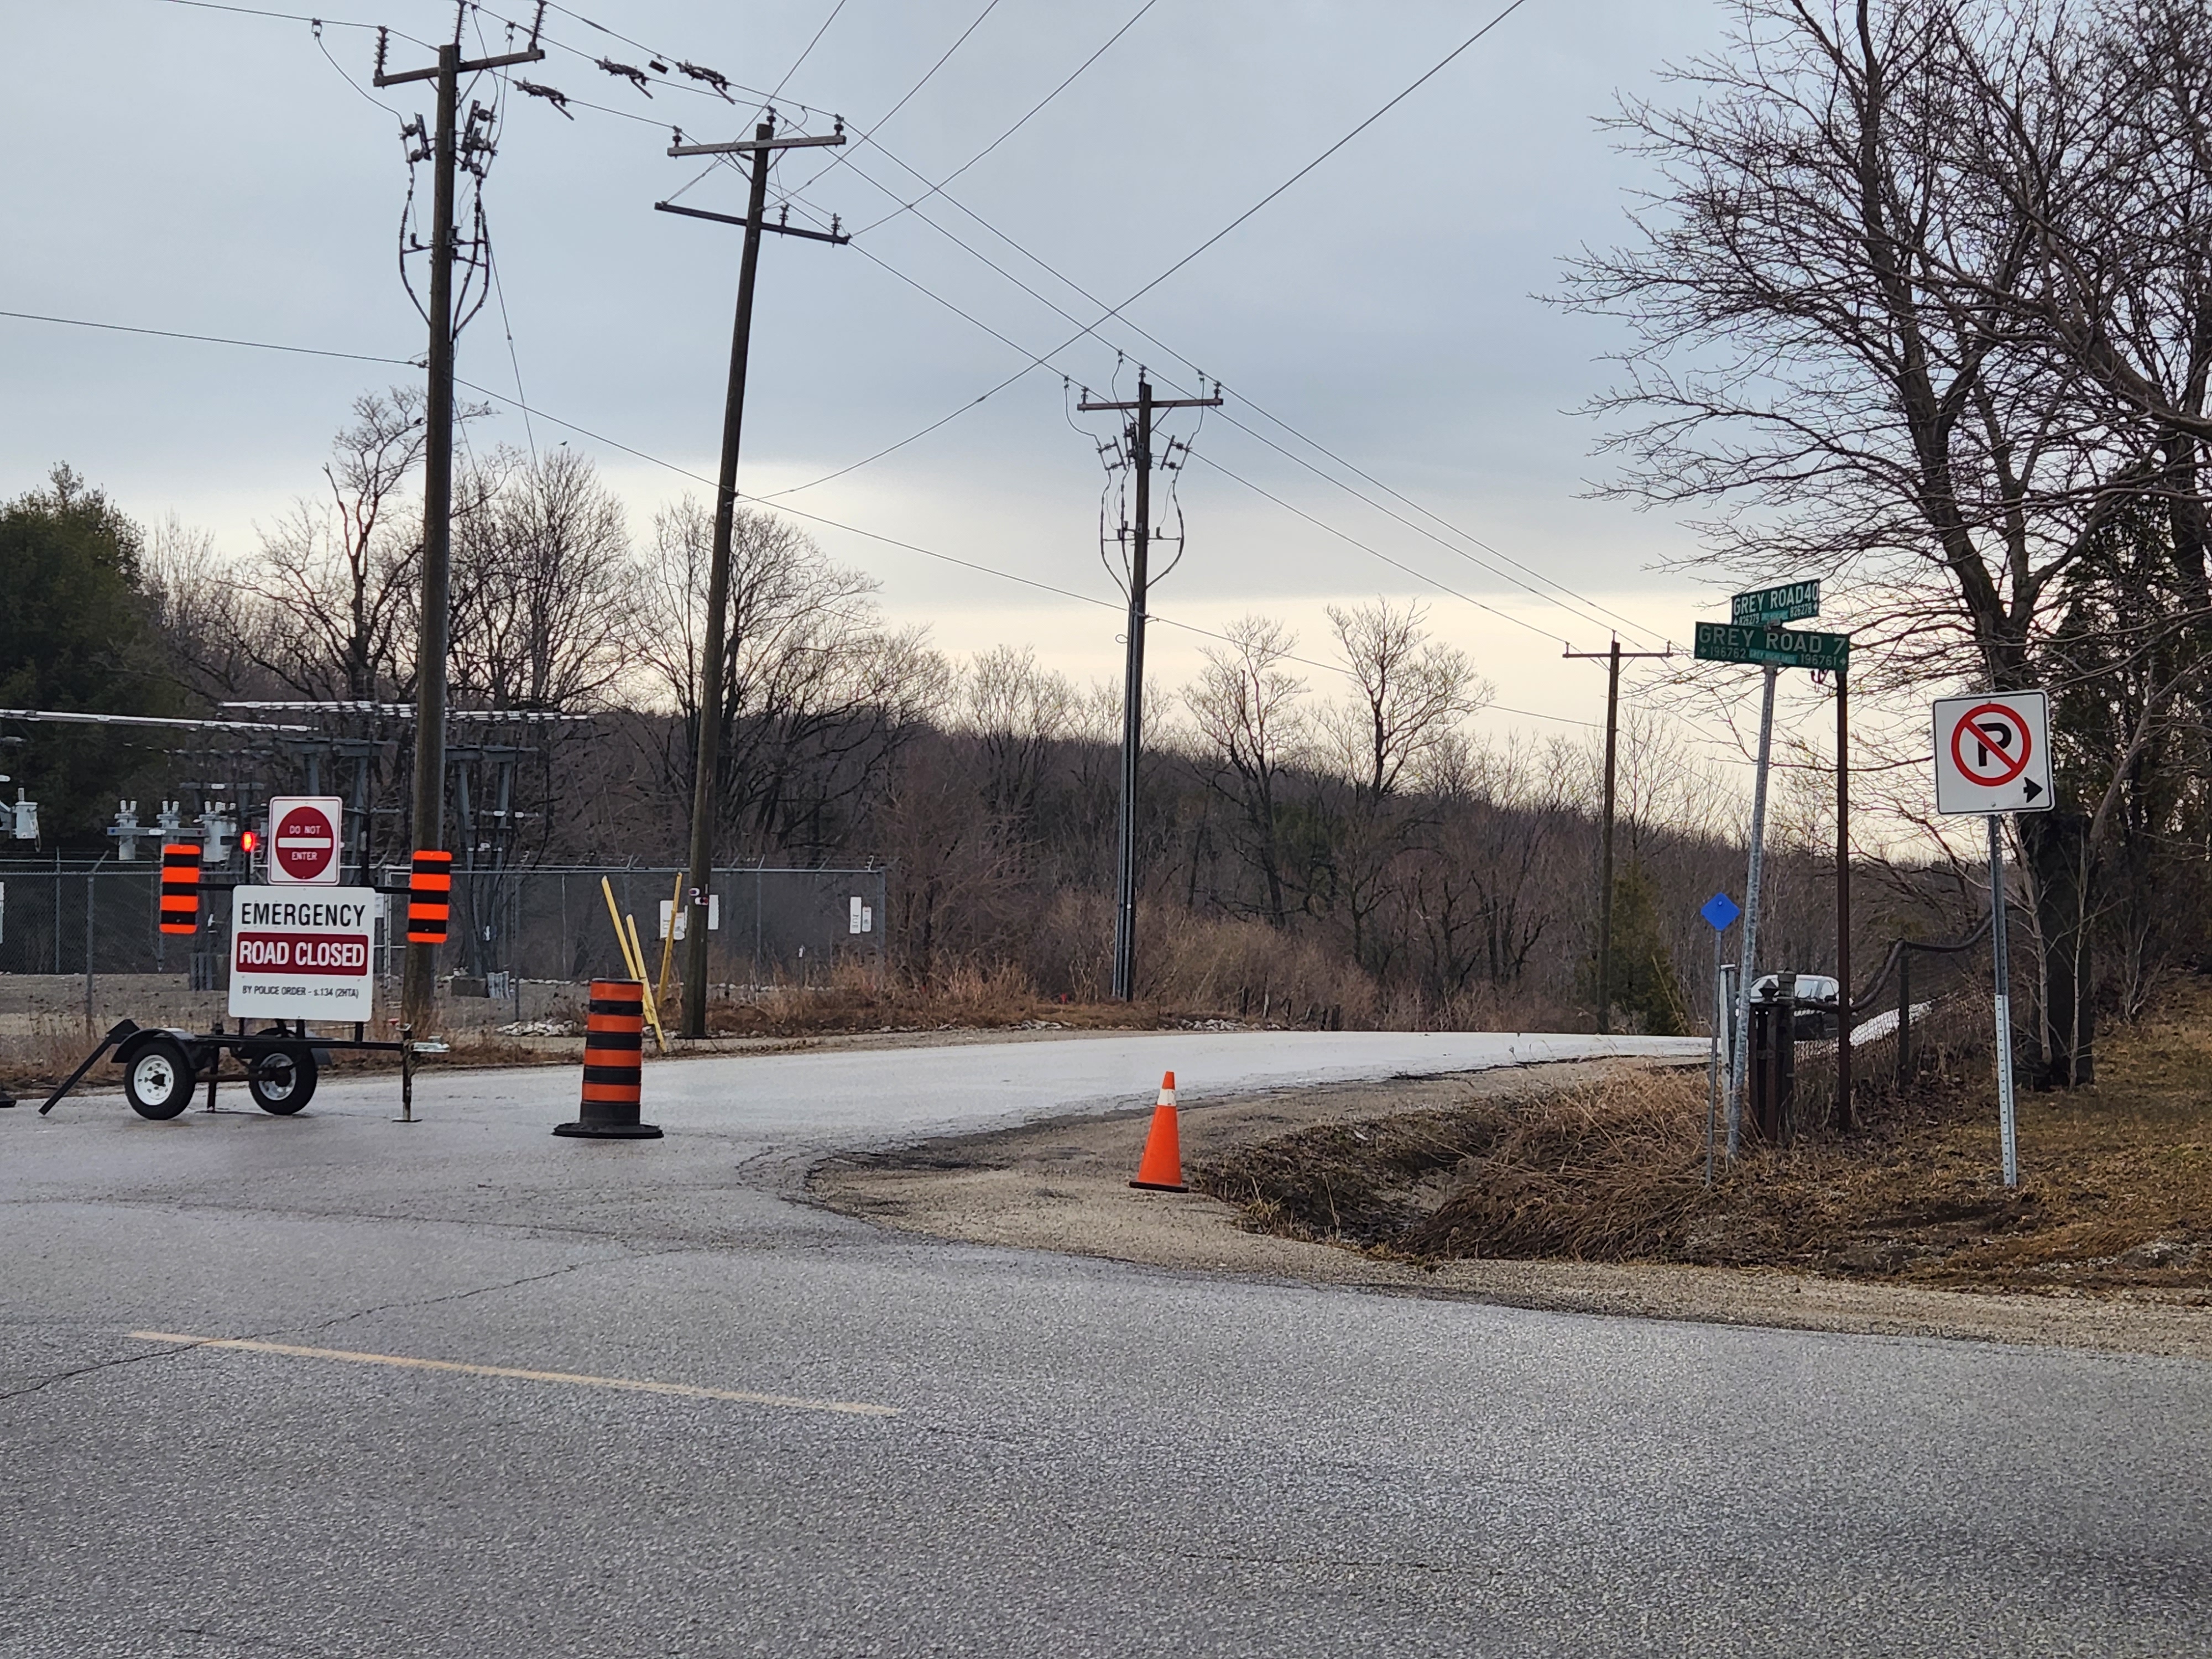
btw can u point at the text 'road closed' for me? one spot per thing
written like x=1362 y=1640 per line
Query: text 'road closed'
x=302 y=953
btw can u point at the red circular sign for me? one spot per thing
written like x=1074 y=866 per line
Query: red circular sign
x=305 y=844
x=1973 y=726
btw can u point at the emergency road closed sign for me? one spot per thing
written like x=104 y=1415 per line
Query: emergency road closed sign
x=1993 y=753
x=293 y=957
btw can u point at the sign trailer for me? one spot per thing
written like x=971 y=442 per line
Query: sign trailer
x=1993 y=756
x=300 y=950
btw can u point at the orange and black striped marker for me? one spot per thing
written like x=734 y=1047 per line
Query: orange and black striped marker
x=614 y=1064
x=429 y=897
x=180 y=888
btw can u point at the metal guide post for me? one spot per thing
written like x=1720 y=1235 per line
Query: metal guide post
x=1750 y=953
x=1713 y=1054
x=1997 y=946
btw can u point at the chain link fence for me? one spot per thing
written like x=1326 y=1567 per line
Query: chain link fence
x=80 y=944
x=1927 y=1012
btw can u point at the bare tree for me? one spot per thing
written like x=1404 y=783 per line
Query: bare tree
x=543 y=584
x=1494 y=892
x=1018 y=711
x=1832 y=297
x=817 y=697
x=338 y=577
x=1245 y=706
x=209 y=622
x=1409 y=696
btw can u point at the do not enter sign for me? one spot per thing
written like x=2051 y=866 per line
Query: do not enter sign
x=1993 y=753
x=303 y=840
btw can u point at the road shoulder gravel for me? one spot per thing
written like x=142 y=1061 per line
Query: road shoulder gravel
x=1061 y=1184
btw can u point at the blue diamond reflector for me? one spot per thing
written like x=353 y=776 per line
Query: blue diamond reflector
x=1720 y=911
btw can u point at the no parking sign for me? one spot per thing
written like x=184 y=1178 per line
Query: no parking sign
x=1993 y=753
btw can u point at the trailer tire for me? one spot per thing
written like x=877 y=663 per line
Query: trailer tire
x=157 y=1078
x=281 y=1080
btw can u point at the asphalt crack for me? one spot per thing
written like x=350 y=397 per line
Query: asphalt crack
x=174 y=1350
x=92 y=1369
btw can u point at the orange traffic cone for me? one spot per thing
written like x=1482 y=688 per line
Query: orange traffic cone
x=1160 y=1170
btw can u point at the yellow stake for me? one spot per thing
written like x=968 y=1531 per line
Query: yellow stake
x=634 y=961
x=668 y=945
x=652 y=1007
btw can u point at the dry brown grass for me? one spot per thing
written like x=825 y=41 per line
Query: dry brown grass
x=853 y=1000
x=2115 y=1195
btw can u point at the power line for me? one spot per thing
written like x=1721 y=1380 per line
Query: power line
x=321 y=47
x=288 y=17
x=1007 y=341
x=804 y=55
x=1210 y=242
x=1395 y=564
x=683 y=471
x=1092 y=329
x=612 y=34
x=1635 y=628
x=937 y=188
x=214 y=339
x=929 y=74
x=1423 y=79
x=506 y=327
x=1091 y=332
x=1257 y=436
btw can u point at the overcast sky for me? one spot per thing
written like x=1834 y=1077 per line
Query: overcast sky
x=195 y=169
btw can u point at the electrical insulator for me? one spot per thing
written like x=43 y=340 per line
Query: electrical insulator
x=127 y=829
x=216 y=828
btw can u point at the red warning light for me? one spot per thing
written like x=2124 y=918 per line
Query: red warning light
x=249 y=842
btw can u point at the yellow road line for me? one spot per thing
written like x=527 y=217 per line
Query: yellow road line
x=635 y=1385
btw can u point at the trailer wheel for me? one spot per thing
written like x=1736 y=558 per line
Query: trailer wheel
x=158 y=1079
x=281 y=1080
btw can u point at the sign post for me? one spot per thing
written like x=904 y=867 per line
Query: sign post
x=1753 y=889
x=1719 y=911
x=1759 y=631
x=1993 y=756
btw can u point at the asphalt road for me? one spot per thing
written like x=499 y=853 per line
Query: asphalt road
x=858 y=1442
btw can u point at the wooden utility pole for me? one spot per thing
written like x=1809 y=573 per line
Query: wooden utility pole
x=708 y=757
x=1612 y=658
x=419 y=987
x=1133 y=682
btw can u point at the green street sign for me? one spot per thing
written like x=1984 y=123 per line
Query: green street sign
x=1770 y=607
x=1774 y=648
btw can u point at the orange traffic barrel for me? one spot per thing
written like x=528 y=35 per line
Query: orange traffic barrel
x=429 y=897
x=614 y=1056
x=180 y=888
